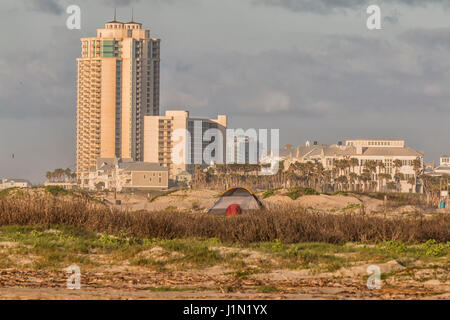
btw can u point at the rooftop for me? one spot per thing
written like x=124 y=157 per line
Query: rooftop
x=381 y=151
x=14 y=180
x=377 y=139
x=142 y=166
x=335 y=150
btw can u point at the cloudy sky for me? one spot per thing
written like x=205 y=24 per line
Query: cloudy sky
x=308 y=67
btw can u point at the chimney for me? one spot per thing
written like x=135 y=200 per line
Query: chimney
x=339 y=143
x=316 y=143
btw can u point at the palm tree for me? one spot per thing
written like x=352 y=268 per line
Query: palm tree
x=412 y=181
x=342 y=182
x=398 y=164
x=353 y=178
x=58 y=174
x=68 y=174
x=365 y=177
x=385 y=177
x=49 y=176
x=346 y=166
x=326 y=180
x=318 y=172
x=431 y=185
x=340 y=166
x=398 y=176
x=373 y=184
x=417 y=166
x=391 y=185
x=371 y=166
x=354 y=163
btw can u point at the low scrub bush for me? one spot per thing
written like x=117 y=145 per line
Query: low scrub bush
x=278 y=226
x=297 y=192
x=268 y=193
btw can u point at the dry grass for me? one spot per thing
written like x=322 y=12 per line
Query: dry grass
x=287 y=226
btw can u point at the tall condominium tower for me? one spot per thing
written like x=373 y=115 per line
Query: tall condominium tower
x=118 y=84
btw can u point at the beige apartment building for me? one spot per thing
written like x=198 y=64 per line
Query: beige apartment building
x=122 y=174
x=118 y=85
x=159 y=140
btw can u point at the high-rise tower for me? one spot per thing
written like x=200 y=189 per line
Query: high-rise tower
x=118 y=84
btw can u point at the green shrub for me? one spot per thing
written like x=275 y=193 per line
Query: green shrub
x=56 y=190
x=395 y=246
x=434 y=249
x=297 y=192
x=341 y=193
x=269 y=193
x=352 y=206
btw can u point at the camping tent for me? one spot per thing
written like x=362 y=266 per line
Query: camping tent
x=243 y=197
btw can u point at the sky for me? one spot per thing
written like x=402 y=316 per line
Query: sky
x=310 y=68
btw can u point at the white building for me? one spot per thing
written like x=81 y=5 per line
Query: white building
x=14 y=183
x=64 y=185
x=445 y=161
x=384 y=152
x=242 y=149
x=443 y=168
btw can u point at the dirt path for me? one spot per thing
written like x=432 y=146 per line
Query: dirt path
x=18 y=284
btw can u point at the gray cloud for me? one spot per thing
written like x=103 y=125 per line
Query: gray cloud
x=46 y=76
x=341 y=75
x=56 y=8
x=393 y=17
x=119 y=3
x=428 y=38
x=330 y=6
x=124 y=3
x=46 y=6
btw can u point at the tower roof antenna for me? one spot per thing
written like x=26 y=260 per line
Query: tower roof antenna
x=114 y=14
x=132 y=14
